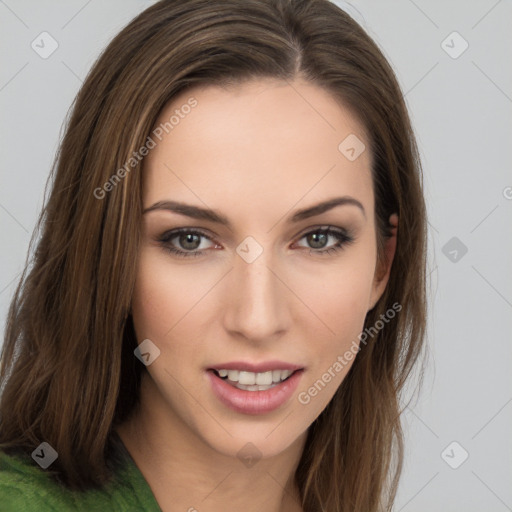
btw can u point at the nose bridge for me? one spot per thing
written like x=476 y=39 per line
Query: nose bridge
x=257 y=304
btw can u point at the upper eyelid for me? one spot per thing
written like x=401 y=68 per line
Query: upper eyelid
x=173 y=233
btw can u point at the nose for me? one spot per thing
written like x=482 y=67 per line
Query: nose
x=257 y=301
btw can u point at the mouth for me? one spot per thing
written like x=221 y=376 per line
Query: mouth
x=254 y=381
x=254 y=389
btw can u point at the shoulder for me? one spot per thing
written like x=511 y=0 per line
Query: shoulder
x=24 y=486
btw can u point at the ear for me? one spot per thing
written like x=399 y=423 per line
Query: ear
x=383 y=268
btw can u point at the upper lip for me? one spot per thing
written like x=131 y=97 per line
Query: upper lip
x=256 y=367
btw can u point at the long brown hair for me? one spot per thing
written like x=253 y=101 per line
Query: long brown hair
x=68 y=371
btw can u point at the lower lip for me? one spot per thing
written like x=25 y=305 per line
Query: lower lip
x=254 y=402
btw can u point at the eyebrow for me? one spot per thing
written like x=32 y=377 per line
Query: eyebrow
x=197 y=212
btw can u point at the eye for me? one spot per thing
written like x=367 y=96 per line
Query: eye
x=185 y=242
x=318 y=240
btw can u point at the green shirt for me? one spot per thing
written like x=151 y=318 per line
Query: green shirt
x=25 y=487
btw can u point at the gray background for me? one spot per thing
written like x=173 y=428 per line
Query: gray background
x=461 y=109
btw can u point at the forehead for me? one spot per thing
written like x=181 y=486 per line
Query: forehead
x=258 y=143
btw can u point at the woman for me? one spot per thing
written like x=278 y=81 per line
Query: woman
x=228 y=292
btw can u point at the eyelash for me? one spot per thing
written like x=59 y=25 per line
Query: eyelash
x=344 y=238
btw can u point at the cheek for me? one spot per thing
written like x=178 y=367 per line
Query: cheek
x=338 y=297
x=338 y=294
x=157 y=297
x=341 y=304
x=164 y=295
x=340 y=301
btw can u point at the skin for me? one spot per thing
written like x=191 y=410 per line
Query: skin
x=254 y=153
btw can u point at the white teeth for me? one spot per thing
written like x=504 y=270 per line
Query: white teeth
x=264 y=379
x=233 y=375
x=247 y=378
x=285 y=374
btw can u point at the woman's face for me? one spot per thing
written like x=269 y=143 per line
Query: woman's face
x=253 y=281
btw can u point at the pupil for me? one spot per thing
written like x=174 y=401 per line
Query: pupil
x=317 y=240
x=189 y=241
